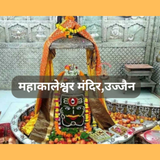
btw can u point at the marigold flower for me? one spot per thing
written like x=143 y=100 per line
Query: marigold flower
x=69 y=18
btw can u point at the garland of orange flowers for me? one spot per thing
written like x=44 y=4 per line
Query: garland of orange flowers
x=59 y=132
x=68 y=32
x=69 y=18
x=57 y=125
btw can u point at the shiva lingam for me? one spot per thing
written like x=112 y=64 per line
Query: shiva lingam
x=72 y=105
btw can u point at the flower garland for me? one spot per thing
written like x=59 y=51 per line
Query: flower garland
x=69 y=18
x=57 y=123
x=87 y=114
x=68 y=32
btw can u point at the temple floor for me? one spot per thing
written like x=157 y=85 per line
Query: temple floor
x=9 y=104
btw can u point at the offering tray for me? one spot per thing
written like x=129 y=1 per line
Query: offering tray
x=130 y=133
x=152 y=136
x=100 y=136
x=118 y=132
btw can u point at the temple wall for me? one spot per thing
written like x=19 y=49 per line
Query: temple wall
x=121 y=40
x=154 y=52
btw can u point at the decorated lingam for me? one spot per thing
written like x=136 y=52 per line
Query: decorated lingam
x=62 y=114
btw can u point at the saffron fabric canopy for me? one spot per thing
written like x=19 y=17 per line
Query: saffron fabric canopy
x=46 y=67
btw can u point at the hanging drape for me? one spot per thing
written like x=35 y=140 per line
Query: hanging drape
x=46 y=67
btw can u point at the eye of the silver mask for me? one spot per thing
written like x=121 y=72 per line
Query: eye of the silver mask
x=67 y=108
x=79 y=107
